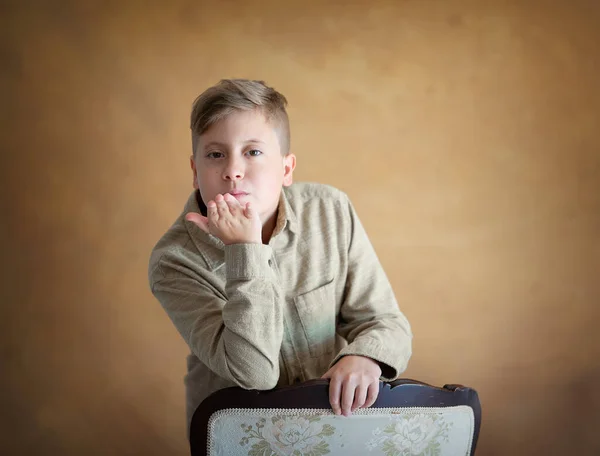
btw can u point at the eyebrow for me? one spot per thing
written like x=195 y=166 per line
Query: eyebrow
x=220 y=144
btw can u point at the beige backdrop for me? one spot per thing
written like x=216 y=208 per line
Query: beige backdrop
x=465 y=133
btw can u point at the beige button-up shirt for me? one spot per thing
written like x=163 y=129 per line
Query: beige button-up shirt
x=260 y=316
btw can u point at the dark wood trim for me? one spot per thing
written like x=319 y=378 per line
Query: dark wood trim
x=315 y=394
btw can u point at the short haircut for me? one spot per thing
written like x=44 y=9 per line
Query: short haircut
x=231 y=95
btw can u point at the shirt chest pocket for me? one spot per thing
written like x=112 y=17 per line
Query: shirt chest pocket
x=317 y=314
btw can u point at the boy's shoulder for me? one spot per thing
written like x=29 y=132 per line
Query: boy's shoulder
x=303 y=193
x=318 y=207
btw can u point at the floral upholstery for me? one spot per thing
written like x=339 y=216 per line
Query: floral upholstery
x=408 y=418
x=392 y=431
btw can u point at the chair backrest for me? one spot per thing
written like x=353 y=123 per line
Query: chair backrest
x=408 y=418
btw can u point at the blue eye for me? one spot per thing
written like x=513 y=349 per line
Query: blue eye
x=254 y=152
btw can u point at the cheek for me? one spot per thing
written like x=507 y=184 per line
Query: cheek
x=208 y=176
x=271 y=188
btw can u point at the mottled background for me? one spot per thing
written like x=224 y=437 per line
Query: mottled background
x=465 y=132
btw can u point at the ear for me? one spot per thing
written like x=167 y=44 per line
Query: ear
x=194 y=172
x=289 y=163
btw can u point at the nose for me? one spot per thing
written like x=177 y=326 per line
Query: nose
x=234 y=170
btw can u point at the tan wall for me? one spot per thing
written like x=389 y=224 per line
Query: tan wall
x=465 y=133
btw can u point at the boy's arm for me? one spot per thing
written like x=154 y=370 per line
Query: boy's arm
x=369 y=316
x=237 y=335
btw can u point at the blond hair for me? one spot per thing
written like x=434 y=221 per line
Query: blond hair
x=231 y=95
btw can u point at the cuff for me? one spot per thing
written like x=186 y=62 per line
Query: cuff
x=371 y=348
x=245 y=261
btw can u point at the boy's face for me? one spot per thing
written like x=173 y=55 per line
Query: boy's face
x=241 y=155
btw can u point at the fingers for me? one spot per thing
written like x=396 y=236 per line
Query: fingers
x=249 y=211
x=231 y=222
x=346 y=396
x=348 y=389
x=227 y=205
x=355 y=396
x=372 y=394
x=335 y=389
x=233 y=204
x=199 y=220
x=222 y=206
x=211 y=211
x=354 y=384
x=360 y=395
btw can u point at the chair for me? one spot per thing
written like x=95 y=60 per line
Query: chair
x=408 y=418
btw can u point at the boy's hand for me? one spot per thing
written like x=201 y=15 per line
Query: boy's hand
x=228 y=220
x=354 y=383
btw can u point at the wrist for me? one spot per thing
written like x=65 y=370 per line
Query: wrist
x=242 y=241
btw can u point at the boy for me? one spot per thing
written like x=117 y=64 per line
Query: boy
x=271 y=283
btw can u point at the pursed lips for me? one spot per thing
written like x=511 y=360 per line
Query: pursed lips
x=238 y=193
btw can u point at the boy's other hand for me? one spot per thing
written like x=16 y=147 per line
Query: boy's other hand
x=228 y=220
x=354 y=383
